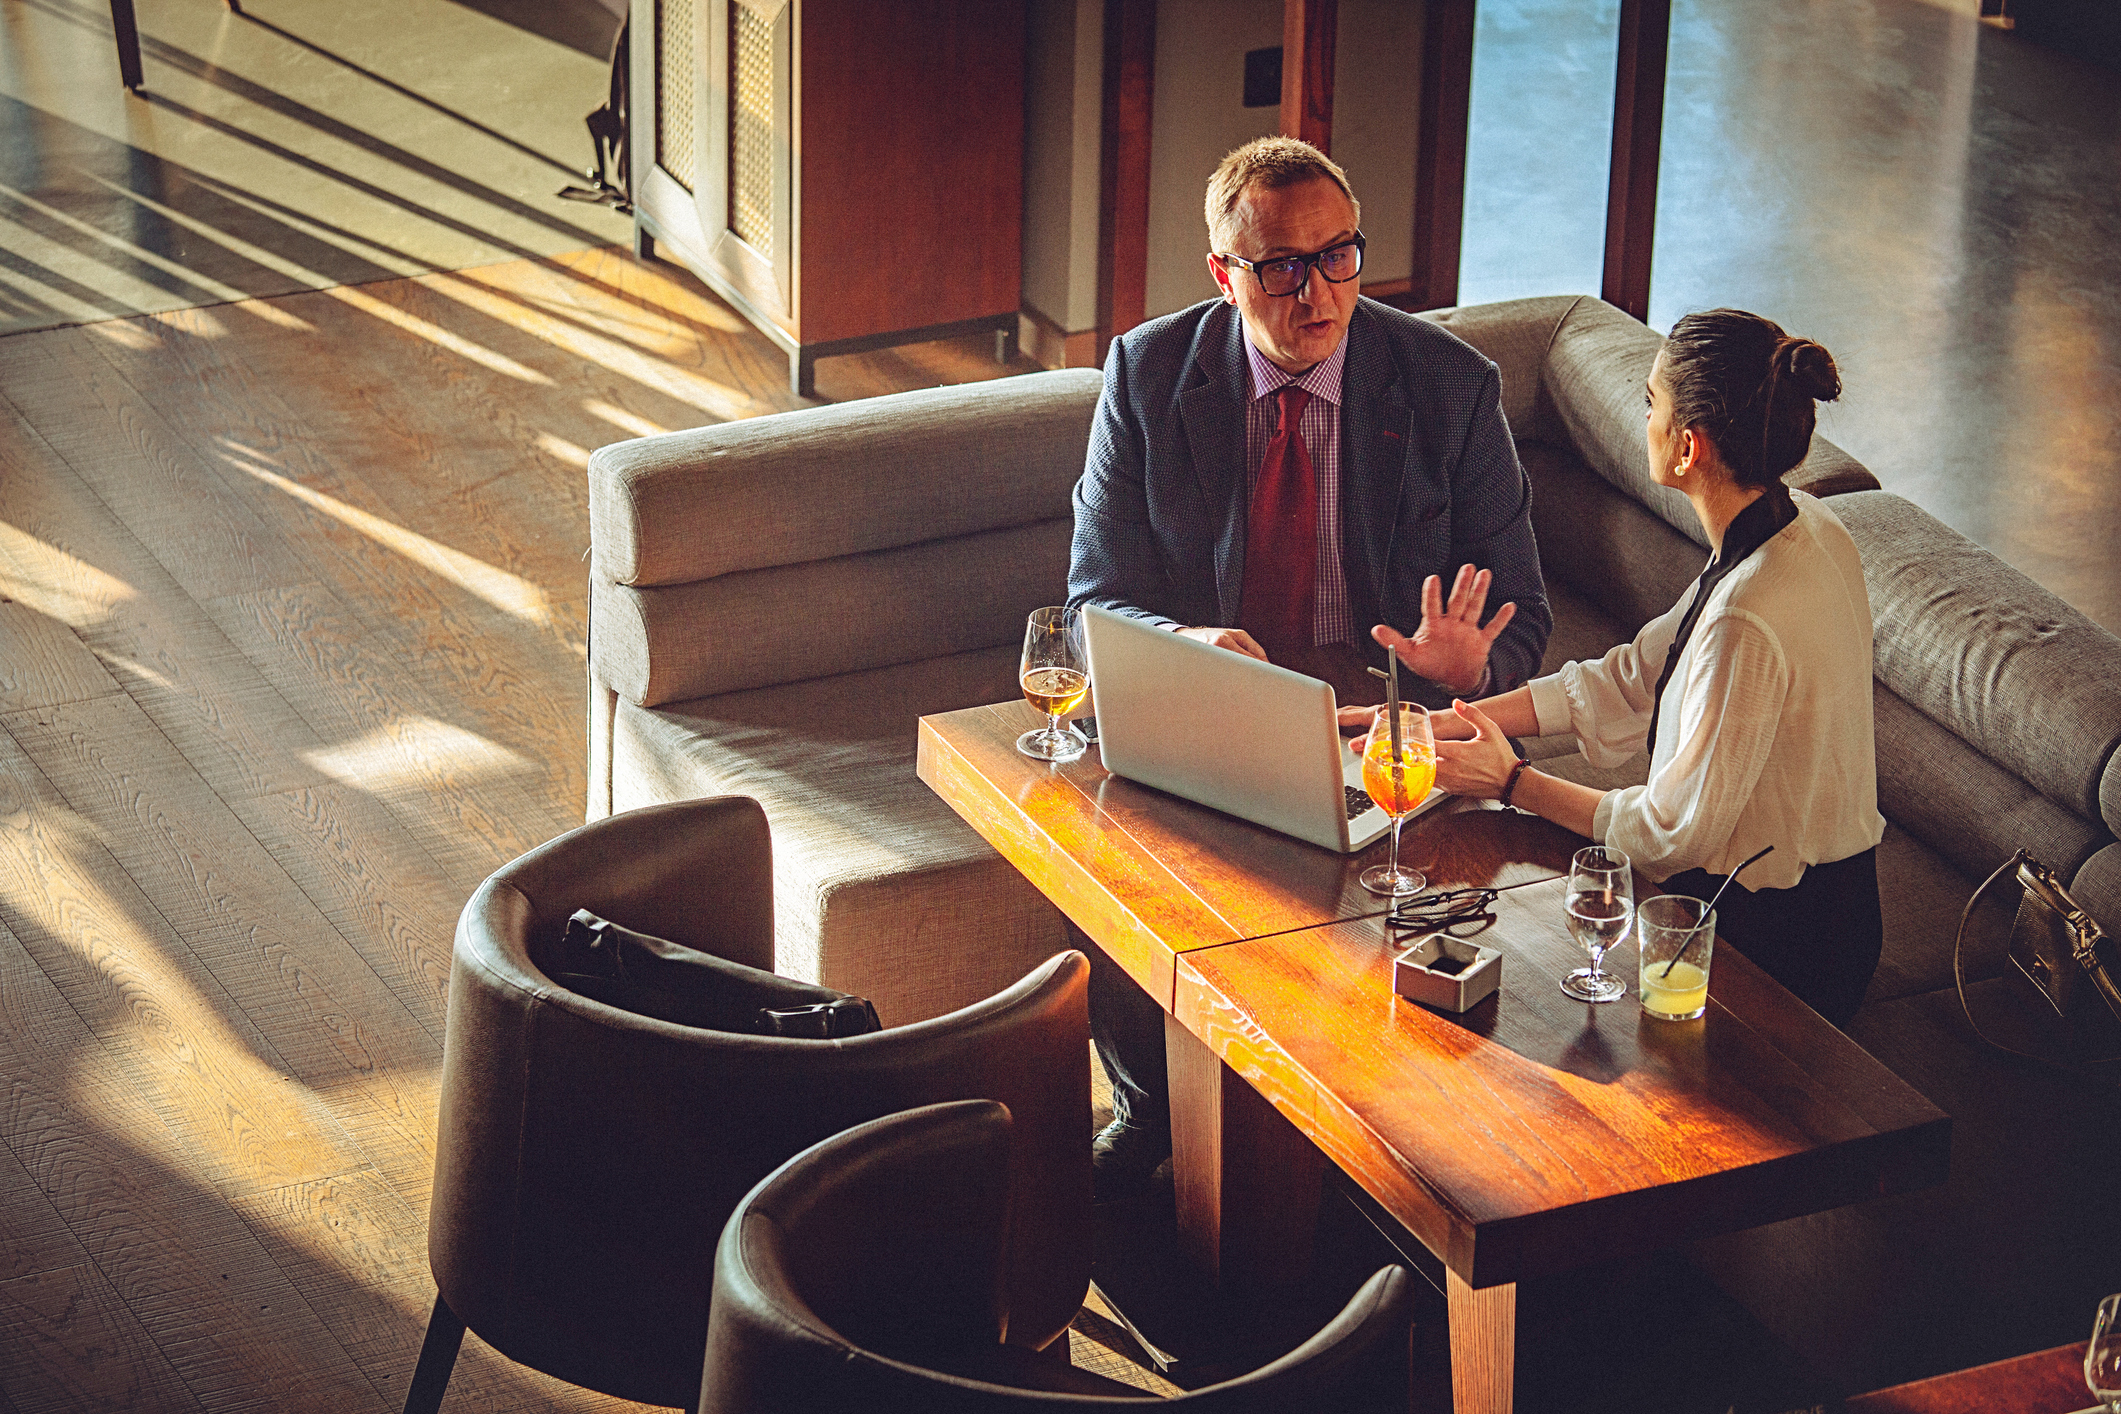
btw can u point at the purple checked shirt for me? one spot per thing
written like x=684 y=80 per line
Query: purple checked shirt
x=1320 y=429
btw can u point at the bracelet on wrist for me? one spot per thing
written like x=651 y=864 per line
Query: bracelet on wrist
x=1510 y=786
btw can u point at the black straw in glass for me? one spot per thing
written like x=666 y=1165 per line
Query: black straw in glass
x=1728 y=879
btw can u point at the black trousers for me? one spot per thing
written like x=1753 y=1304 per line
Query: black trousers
x=1820 y=939
x=1127 y=1027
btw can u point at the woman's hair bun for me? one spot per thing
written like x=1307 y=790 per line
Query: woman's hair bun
x=1809 y=368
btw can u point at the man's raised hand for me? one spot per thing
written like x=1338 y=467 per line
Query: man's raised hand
x=1449 y=645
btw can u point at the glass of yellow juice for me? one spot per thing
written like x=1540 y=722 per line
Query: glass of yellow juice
x=1673 y=936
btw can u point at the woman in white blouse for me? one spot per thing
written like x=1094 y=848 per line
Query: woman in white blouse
x=1753 y=692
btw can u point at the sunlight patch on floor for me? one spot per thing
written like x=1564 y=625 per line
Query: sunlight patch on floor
x=511 y=594
x=57 y=584
x=376 y=761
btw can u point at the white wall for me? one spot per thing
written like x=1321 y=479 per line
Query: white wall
x=1200 y=115
x=1063 y=124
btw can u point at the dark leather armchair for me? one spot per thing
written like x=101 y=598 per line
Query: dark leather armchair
x=588 y=1156
x=870 y=1273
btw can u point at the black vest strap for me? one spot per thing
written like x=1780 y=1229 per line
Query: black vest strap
x=1750 y=529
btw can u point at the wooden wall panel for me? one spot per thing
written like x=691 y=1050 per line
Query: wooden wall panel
x=1123 y=202
x=1440 y=157
x=1310 y=32
x=910 y=145
x=1638 y=136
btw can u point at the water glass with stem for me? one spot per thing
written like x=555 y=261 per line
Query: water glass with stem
x=1601 y=903
x=2102 y=1359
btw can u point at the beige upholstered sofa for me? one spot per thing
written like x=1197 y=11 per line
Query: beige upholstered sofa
x=774 y=602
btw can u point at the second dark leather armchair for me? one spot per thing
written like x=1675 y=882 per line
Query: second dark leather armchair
x=868 y=1274
x=587 y=1157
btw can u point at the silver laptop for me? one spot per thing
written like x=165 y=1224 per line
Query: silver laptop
x=1245 y=737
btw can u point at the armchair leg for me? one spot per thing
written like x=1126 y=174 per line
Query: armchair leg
x=438 y=1356
x=126 y=26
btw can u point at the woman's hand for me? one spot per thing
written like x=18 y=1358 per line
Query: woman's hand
x=1475 y=759
x=1443 y=726
x=1368 y=718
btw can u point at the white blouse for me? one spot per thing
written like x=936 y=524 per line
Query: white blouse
x=1765 y=736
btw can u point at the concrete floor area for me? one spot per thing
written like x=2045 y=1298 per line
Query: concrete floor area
x=1936 y=201
x=294 y=146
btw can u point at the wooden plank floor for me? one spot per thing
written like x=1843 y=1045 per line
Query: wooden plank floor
x=291 y=655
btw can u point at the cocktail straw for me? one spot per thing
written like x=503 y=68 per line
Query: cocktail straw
x=1391 y=678
x=1707 y=913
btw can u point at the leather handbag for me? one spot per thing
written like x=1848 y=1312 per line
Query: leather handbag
x=2071 y=962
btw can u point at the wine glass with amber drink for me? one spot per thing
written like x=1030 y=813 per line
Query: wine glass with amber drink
x=1398 y=770
x=1055 y=678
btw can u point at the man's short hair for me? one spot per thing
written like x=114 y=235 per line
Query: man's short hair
x=1272 y=163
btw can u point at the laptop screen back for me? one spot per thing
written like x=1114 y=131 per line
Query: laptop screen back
x=1231 y=732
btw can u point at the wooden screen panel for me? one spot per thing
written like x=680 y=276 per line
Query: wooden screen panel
x=676 y=127
x=752 y=208
x=746 y=200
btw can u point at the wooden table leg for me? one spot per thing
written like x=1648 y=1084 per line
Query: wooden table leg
x=1483 y=1345
x=1247 y=1181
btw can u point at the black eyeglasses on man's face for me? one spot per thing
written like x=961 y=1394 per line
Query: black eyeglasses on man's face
x=1290 y=273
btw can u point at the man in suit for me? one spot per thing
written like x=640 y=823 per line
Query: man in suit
x=1272 y=469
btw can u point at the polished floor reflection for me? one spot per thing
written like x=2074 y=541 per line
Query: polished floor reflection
x=294 y=146
x=1936 y=201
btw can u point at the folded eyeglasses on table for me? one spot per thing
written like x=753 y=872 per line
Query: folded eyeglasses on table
x=1459 y=913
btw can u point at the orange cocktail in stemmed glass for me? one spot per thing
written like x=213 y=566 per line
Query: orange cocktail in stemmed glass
x=1398 y=771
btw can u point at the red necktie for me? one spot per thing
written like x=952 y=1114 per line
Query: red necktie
x=1281 y=537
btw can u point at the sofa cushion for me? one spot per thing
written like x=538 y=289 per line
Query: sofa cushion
x=1581 y=630
x=1963 y=805
x=1595 y=373
x=787 y=623
x=879 y=888
x=832 y=481
x=1515 y=335
x=1922 y=894
x=2097 y=888
x=1602 y=545
x=1983 y=651
x=2110 y=794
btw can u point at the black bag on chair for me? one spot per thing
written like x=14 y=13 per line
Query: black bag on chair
x=652 y=976
x=2073 y=966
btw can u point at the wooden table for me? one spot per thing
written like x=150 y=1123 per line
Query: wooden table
x=1530 y=1136
x=2046 y=1382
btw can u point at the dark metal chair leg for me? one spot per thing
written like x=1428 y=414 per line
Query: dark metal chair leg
x=438 y=1356
x=128 y=28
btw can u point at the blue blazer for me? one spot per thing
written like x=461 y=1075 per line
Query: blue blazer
x=1429 y=479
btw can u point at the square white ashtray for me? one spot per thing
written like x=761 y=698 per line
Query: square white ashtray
x=1442 y=972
